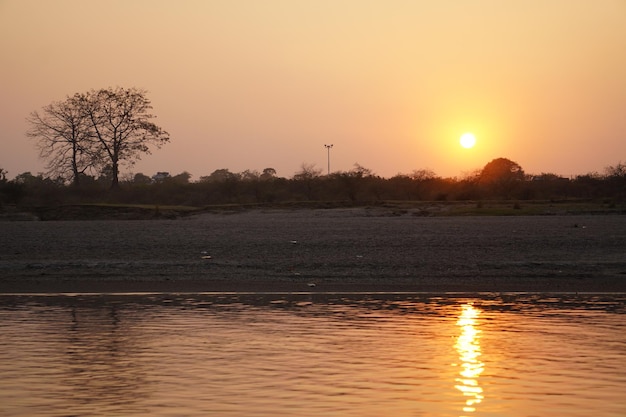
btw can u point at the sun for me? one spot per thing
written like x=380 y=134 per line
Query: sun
x=468 y=140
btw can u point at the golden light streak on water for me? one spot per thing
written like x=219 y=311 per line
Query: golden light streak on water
x=468 y=348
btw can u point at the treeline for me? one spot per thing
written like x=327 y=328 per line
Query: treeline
x=500 y=179
x=86 y=138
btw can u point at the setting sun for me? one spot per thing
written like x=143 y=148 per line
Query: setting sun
x=468 y=140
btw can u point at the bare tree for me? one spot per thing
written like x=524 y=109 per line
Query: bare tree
x=307 y=172
x=308 y=177
x=617 y=171
x=422 y=175
x=121 y=123
x=64 y=137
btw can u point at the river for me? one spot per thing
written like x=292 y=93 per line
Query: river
x=313 y=354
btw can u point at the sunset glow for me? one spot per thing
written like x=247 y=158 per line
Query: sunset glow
x=468 y=140
x=391 y=85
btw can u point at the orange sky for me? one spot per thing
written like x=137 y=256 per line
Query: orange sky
x=250 y=84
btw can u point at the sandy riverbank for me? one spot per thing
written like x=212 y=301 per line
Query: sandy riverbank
x=316 y=250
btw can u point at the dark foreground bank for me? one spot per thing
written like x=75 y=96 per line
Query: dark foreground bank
x=317 y=250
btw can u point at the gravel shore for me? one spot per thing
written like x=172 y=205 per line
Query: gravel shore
x=316 y=250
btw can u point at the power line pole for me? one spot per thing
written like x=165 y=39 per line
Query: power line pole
x=328 y=151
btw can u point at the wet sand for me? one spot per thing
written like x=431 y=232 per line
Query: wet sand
x=335 y=250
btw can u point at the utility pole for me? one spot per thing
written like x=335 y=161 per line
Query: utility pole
x=328 y=150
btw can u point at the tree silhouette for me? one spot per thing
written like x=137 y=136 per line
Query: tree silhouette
x=94 y=131
x=268 y=174
x=353 y=182
x=65 y=138
x=501 y=176
x=121 y=121
x=307 y=177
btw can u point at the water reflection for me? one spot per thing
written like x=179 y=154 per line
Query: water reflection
x=99 y=343
x=306 y=354
x=468 y=347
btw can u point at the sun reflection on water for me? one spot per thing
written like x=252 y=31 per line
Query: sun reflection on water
x=468 y=348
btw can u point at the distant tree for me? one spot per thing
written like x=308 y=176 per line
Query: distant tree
x=616 y=178
x=360 y=171
x=121 y=122
x=414 y=186
x=423 y=183
x=27 y=178
x=617 y=171
x=268 y=174
x=472 y=176
x=501 y=169
x=220 y=175
x=37 y=189
x=252 y=188
x=182 y=178
x=65 y=138
x=306 y=179
x=352 y=182
x=501 y=176
x=11 y=192
x=250 y=175
x=140 y=178
x=423 y=175
x=588 y=185
x=3 y=175
x=307 y=171
x=221 y=186
x=401 y=187
x=548 y=185
x=545 y=176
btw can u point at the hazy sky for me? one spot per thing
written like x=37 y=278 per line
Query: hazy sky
x=250 y=84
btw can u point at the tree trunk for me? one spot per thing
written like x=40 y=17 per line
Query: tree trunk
x=115 y=170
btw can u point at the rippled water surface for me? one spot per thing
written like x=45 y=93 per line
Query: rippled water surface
x=313 y=355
